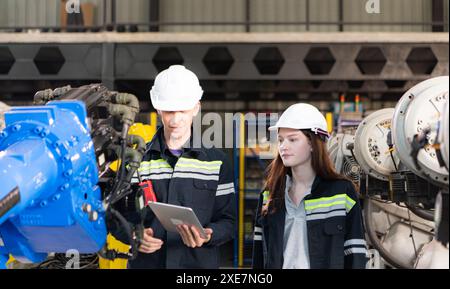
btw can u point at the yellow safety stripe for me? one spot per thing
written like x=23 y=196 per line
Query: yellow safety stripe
x=325 y=199
x=160 y=163
x=155 y=161
x=341 y=199
x=141 y=168
x=325 y=205
x=265 y=197
x=153 y=165
x=182 y=159
x=350 y=200
x=198 y=167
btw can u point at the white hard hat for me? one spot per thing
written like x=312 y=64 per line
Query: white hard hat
x=303 y=116
x=175 y=89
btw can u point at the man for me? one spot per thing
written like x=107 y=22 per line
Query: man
x=184 y=175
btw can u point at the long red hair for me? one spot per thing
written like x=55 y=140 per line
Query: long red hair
x=276 y=172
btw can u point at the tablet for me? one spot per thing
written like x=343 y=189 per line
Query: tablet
x=171 y=215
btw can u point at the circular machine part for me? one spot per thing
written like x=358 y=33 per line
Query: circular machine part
x=347 y=140
x=338 y=144
x=333 y=146
x=444 y=134
x=371 y=145
x=339 y=148
x=419 y=109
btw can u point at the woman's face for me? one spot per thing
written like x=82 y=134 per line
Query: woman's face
x=294 y=147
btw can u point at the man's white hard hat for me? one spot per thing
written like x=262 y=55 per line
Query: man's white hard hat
x=303 y=116
x=176 y=89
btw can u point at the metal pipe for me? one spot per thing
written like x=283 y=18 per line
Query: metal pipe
x=422 y=213
x=308 y=23
x=374 y=238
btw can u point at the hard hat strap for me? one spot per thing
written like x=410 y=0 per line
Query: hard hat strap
x=319 y=131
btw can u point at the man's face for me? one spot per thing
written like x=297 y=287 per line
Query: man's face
x=178 y=123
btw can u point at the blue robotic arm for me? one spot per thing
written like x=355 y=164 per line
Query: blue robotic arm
x=50 y=200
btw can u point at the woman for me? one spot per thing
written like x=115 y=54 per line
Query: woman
x=308 y=216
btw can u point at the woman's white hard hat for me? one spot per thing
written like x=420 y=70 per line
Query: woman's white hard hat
x=303 y=116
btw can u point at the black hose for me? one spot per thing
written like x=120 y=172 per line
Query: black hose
x=122 y=168
x=376 y=242
x=138 y=141
x=127 y=99
x=122 y=193
x=422 y=213
x=118 y=180
x=43 y=96
x=125 y=106
x=112 y=254
x=393 y=160
x=124 y=113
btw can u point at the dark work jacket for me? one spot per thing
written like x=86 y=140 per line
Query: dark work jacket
x=334 y=229
x=201 y=179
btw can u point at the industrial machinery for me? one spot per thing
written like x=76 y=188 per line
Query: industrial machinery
x=403 y=158
x=420 y=133
x=392 y=230
x=341 y=143
x=416 y=118
x=56 y=190
x=340 y=147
